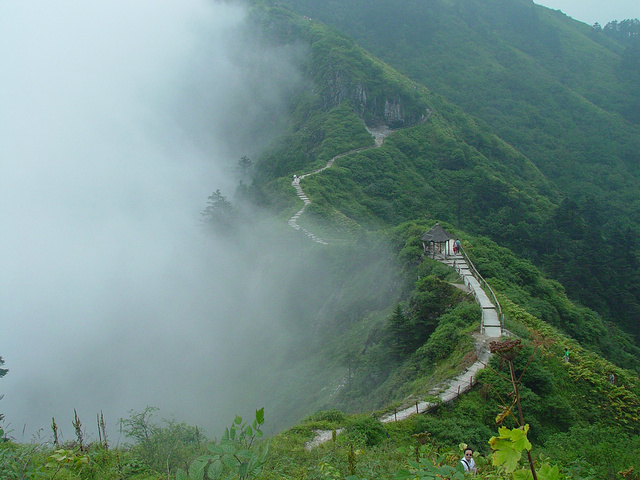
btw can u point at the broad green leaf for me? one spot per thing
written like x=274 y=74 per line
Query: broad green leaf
x=429 y=467
x=523 y=474
x=547 y=472
x=519 y=438
x=500 y=443
x=215 y=470
x=508 y=447
x=215 y=448
x=403 y=475
x=181 y=475
x=508 y=458
x=265 y=453
x=229 y=461
x=229 y=448
x=196 y=475
x=260 y=416
x=244 y=454
x=237 y=420
x=196 y=469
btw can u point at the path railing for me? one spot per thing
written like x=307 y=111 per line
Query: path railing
x=485 y=286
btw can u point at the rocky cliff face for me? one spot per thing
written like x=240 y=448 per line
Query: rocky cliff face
x=388 y=108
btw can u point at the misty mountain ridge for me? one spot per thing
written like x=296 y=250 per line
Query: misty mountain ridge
x=512 y=125
x=444 y=164
x=567 y=151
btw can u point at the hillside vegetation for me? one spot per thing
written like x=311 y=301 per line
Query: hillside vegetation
x=561 y=93
x=392 y=358
x=496 y=135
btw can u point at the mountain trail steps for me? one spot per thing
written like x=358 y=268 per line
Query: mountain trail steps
x=378 y=134
x=491 y=328
x=439 y=245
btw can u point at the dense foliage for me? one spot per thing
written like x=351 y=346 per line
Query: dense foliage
x=560 y=92
x=543 y=179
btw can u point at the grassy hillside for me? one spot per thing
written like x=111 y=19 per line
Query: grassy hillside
x=558 y=92
x=386 y=364
x=377 y=326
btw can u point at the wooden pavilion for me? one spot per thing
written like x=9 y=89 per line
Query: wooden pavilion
x=437 y=241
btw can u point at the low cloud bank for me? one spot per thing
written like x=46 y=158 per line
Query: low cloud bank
x=117 y=121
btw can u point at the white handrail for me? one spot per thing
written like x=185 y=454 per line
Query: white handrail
x=484 y=284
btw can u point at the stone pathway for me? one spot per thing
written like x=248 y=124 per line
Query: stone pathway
x=491 y=323
x=453 y=388
x=378 y=133
x=490 y=329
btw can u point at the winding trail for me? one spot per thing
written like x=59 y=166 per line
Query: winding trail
x=490 y=329
x=378 y=133
x=491 y=314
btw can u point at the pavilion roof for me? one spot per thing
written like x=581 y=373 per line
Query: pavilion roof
x=437 y=234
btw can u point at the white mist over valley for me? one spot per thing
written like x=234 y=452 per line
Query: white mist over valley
x=118 y=120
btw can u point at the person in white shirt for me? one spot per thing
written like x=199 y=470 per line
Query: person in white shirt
x=467 y=461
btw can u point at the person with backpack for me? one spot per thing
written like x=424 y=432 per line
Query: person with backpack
x=467 y=462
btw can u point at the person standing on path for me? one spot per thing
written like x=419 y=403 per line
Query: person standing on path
x=467 y=462
x=565 y=358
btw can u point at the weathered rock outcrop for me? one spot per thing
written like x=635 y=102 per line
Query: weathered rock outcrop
x=393 y=108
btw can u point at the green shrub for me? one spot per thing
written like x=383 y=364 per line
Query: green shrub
x=365 y=430
x=449 y=332
x=451 y=431
x=161 y=446
x=601 y=449
x=327 y=415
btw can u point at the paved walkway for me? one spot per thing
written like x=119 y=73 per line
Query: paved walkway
x=491 y=324
x=378 y=134
x=490 y=329
x=453 y=388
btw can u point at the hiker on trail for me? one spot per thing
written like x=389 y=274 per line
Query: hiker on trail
x=565 y=358
x=467 y=462
x=457 y=246
x=612 y=378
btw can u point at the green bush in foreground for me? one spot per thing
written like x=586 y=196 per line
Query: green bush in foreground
x=238 y=455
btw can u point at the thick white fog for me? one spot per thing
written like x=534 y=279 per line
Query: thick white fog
x=117 y=120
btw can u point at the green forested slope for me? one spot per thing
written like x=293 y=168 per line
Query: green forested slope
x=559 y=92
x=545 y=166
